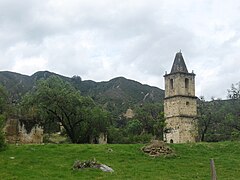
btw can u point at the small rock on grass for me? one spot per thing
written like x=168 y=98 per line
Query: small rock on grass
x=105 y=168
x=91 y=164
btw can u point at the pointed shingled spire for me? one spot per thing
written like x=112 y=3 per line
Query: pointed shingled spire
x=179 y=64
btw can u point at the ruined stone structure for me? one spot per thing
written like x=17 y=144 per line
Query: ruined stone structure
x=180 y=104
x=16 y=132
x=129 y=113
x=19 y=132
x=101 y=139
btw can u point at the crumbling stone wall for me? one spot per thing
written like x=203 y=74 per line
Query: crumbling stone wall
x=129 y=114
x=16 y=132
x=101 y=139
x=11 y=131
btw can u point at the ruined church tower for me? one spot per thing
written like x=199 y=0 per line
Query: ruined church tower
x=180 y=104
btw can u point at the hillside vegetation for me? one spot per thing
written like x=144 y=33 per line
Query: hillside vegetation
x=55 y=161
x=117 y=95
x=218 y=119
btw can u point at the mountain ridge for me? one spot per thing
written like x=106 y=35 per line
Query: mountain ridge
x=118 y=93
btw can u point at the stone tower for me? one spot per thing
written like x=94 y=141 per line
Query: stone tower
x=180 y=104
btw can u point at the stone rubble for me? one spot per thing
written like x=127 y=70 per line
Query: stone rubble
x=157 y=148
x=78 y=165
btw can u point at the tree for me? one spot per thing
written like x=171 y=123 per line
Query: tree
x=218 y=119
x=148 y=122
x=76 y=79
x=2 y=139
x=3 y=100
x=3 y=112
x=152 y=118
x=55 y=99
x=234 y=92
x=134 y=127
x=205 y=117
x=211 y=120
x=97 y=122
x=29 y=112
x=233 y=117
x=233 y=120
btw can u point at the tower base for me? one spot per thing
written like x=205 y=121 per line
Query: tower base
x=181 y=130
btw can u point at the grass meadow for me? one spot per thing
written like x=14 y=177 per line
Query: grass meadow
x=54 y=161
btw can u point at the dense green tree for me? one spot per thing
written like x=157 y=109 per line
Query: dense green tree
x=116 y=135
x=97 y=122
x=134 y=127
x=233 y=115
x=3 y=113
x=147 y=123
x=152 y=118
x=30 y=113
x=211 y=120
x=2 y=139
x=205 y=114
x=218 y=119
x=121 y=121
x=3 y=100
x=55 y=99
x=233 y=120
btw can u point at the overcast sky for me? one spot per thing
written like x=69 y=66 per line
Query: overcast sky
x=138 y=39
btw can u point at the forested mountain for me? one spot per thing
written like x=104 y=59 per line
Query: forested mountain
x=15 y=83
x=116 y=95
x=218 y=119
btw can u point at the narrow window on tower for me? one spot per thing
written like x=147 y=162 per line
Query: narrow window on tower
x=171 y=83
x=186 y=83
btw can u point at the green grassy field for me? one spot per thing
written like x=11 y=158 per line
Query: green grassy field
x=55 y=161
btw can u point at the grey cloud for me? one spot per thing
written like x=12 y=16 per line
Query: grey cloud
x=100 y=40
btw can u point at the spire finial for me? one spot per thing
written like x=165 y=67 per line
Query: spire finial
x=180 y=51
x=179 y=64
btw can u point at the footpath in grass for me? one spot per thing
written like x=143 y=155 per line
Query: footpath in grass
x=53 y=161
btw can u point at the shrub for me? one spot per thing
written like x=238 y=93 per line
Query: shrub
x=120 y=136
x=116 y=136
x=142 y=138
x=235 y=136
x=2 y=138
x=2 y=141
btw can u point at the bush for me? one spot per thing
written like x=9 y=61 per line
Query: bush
x=134 y=127
x=143 y=138
x=2 y=138
x=235 y=136
x=119 y=136
x=2 y=141
x=116 y=136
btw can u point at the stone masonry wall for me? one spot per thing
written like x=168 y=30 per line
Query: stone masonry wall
x=179 y=88
x=181 y=130
x=180 y=106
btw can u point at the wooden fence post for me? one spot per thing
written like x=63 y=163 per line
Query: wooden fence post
x=213 y=170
